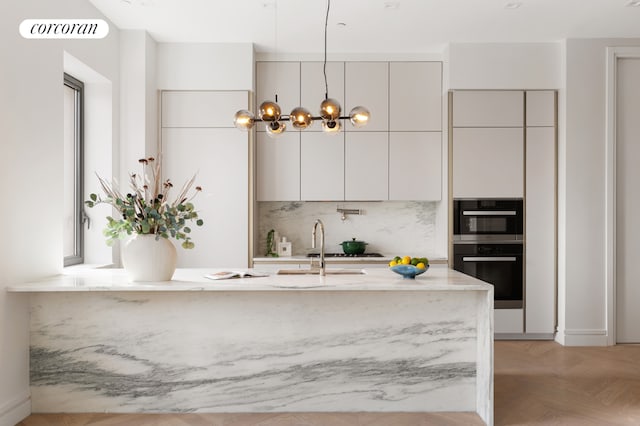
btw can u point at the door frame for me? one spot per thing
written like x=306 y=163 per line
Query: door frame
x=613 y=54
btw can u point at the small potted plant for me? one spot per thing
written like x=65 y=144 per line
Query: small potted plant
x=148 y=213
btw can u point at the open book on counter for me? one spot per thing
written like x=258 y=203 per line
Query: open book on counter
x=224 y=275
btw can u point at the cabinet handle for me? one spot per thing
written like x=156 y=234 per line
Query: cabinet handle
x=489 y=259
x=489 y=213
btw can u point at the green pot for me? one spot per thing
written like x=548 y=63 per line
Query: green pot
x=353 y=246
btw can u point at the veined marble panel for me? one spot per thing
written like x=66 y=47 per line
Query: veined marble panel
x=390 y=227
x=253 y=352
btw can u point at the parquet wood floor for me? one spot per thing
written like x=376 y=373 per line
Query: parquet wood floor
x=536 y=383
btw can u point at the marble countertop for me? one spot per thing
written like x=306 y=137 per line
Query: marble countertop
x=437 y=278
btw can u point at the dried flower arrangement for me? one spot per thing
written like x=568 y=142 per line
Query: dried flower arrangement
x=146 y=209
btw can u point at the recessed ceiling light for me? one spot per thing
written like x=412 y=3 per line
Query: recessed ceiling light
x=512 y=4
x=633 y=3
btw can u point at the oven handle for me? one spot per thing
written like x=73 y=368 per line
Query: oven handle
x=489 y=213
x=489 y=259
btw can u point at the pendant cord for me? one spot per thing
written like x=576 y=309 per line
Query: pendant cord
x=275 y=36
x=324 y=68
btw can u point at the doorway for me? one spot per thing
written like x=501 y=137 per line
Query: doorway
x=627 y=196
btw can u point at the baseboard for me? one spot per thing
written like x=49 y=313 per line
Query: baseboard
x=523 y=336
x=583 y=337
x=15 y=410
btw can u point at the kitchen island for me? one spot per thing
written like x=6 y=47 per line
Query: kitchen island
x=371 y=342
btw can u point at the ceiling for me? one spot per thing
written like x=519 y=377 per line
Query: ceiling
x=372 y=26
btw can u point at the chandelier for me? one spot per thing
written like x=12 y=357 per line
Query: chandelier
x=270 y=113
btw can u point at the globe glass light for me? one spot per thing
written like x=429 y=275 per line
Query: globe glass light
x=275 y=128
x=359 y=116
x=300 y=118
x=269 y=111
x=330 y=109
x=243 y=119
x=331 y=127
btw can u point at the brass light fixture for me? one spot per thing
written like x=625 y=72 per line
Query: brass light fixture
x=269 y=112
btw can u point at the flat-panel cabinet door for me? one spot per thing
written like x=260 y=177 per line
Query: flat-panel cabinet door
x=415 y=96
x=219 y=156
x=278 y=78
x=488 y=108
x=321 y=166
x=508 y=321
x=367 y=84
x=415 y=166
x=278 y=167
x=313 y=87
x=488 y=163
x=540 y=230
x=541 y=110
x=201 y=108
x=366 y=166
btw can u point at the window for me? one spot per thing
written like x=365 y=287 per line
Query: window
x=73 y=171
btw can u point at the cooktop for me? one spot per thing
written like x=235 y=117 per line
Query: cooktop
x=345 y=255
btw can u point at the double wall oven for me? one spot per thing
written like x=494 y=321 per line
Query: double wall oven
x=488 y=245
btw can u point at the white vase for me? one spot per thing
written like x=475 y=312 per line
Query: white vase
x=146 y=259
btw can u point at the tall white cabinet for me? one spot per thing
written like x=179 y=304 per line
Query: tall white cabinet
x=198 y=137
x=540 y=213
x=397 y=156
x=504 y=146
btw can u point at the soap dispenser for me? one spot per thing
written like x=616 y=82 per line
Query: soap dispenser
x=284 y=247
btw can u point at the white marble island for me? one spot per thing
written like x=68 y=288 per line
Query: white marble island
x=372 y=342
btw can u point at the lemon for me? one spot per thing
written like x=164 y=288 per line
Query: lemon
x=393 y=263
x=406 y=260
x=420 y=265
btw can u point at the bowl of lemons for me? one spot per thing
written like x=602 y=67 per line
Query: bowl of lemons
x=409 y=267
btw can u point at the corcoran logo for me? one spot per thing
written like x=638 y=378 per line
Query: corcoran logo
x=64 y=28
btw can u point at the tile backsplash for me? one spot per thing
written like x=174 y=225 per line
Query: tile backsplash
x=389 y=227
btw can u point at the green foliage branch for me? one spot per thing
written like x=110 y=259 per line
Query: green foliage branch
x=147 y=208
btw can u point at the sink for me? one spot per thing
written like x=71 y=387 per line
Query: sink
x=317 y=272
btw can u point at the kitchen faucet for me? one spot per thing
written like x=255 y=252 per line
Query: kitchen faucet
x=313 y=243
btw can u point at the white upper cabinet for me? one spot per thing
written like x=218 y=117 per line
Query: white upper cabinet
x=321 y=166
x=198 y=136
x=415 y=166
x=415 y=96
x=355 y=164
x=313 y=87
x=201 y=108
x=488 y=108
x=541 y=108
x=366 y=166
x=278 y=78
x=488 y=163
x=278 y=167
x=367 y=85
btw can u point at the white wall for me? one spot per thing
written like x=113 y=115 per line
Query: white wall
x=582 y=164
x=205 y=66
x=138 y=109
x=32 y=164
x=505 y=65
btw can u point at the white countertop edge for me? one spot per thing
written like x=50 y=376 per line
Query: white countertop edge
x=355 y=259
x=437 y=278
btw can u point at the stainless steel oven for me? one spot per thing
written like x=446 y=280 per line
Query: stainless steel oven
x=488 y=245
x=487 y=219
x=500 y=264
